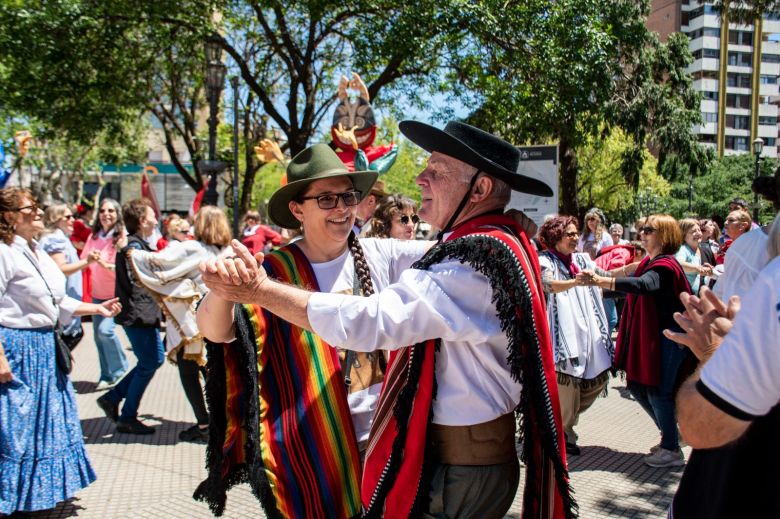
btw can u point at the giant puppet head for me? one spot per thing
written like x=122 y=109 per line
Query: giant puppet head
x=354 y=130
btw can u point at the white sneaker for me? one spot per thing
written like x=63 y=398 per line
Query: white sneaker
x=665 y=458
x=104 y=384
x=655 y=448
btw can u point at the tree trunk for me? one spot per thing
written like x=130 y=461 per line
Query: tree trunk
x=567 y=194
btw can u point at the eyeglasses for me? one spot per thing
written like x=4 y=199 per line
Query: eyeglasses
x=109 y=210
x=572 y=234
x=647 y=230
x=331 y=200
x=405 y=219
x=28 y=209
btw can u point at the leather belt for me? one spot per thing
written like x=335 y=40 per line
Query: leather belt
x=488 y=443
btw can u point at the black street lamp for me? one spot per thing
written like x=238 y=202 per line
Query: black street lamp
x=215 y=81
x=234 y=84
x=758 y=147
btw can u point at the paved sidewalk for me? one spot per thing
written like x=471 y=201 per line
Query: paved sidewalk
x=154 y=476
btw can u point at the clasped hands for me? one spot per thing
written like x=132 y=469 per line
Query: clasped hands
x=236 y=278
x=587 y=277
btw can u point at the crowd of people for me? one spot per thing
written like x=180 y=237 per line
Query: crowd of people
x=420 y=356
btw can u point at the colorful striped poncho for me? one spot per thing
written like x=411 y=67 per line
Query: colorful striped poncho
x=279 y=414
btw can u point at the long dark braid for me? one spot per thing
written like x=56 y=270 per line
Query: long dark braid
x=366 y=284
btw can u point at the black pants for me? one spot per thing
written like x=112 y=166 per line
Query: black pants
x=189 y=374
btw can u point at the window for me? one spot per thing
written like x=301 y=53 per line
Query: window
x=709 y=117
x=736 y=143
x=713 y=96
x=738 y=80
x=739 y=59
x=770 y=58
x=768 y=80
x=738 y=122
x=705 y=137
x=705 y=31
x=705 y=74
x=741 y=37
x=701 y=10
x=769 y=141
x=767 y=120
x=737 y=101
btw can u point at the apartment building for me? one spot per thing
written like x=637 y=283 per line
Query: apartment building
x=738 y=80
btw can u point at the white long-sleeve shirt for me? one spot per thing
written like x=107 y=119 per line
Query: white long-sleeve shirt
x=450 y=301
x=25 y=301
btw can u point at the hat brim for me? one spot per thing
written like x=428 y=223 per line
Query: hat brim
x=432 y=139
x=279 y=204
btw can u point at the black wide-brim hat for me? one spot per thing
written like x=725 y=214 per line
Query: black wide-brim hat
x=314 y=163
x=482 y=150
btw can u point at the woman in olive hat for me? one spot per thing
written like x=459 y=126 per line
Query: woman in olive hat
x=315 y=404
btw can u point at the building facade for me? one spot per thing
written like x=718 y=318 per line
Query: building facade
x=735 y=67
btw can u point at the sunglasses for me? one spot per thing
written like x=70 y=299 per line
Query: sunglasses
x=68 y=217
x=28 y=209
x=647 y=230
x=405 y=219
x=331 y=200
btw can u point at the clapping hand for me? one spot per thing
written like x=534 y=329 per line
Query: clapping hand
x=705 y=322
x=237 y=278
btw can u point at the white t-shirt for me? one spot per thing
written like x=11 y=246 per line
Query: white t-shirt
x=745 y=371
x=386 y=260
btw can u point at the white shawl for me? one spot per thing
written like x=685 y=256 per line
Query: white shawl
x=173 y=278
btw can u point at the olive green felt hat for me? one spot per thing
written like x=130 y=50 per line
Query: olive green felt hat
x=314 y=163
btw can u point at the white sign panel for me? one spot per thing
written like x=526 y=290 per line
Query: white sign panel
x=541 y=163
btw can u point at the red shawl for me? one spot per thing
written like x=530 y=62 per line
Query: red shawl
x=638 y=350
x=394 y=476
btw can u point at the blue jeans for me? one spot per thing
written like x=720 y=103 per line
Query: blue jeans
x=148 y=348
x=611 y=310
x=113 y=363
x=658 y=401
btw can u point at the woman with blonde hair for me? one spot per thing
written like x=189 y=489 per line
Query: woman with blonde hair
x=395 y=217
x=594 y=236
x=173 y=278
x=651 y=361
x=689 y=256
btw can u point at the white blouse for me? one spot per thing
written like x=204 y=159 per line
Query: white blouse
x=25 y=301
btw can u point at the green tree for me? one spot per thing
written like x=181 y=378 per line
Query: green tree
x=570 y=70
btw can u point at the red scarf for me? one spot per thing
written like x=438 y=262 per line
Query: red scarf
x=566 y=259
x=638 y=350
x=720 y=257
x=394 y=485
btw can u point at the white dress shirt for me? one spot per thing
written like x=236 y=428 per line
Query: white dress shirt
x=450 y=301
x=25 y=301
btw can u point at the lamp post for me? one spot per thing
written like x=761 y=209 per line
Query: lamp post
x=215 y=81
x=234 y=84
x=758 y=147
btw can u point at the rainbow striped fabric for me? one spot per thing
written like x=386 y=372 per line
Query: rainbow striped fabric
x=290 y=435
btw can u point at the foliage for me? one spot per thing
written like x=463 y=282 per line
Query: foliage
x=727 y=178
x=601 y=182
x=570 y=70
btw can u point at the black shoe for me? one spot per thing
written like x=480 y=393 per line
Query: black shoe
x=572 y=449
x=194 y=434
x=109 y=407
x=133 y=426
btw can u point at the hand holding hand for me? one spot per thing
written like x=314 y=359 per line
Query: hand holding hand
x=585 y=277
x=93 y=256
x=705 y=322
x=110 y=307
x=236 y=278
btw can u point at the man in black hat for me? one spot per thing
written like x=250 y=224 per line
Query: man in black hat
x=471 y=311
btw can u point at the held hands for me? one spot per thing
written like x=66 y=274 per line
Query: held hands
x=93 y=256
x=238 y=278
x=705 y=269
x=705 y=322
x=109 y=308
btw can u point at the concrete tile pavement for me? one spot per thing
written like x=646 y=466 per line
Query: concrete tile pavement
x=154 y=476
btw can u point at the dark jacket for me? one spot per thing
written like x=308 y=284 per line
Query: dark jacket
x=139 y=309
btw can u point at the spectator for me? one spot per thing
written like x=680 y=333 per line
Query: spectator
x=42 y=456
x=108 y=236
x=395 y=217
x=140 y=318
x=737 y=223
x=82 y=226
x=650 y=360
x=710 y=237
x=175 y=228
x=616 y=233
x=594 y=237
x=367 y=207
x=258 y=237
x=689 y=255
x=582 y=346
x=58 y=219
x=173 y=276
x=728 y=410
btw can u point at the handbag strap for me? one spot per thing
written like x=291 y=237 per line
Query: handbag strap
x=34 y=263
